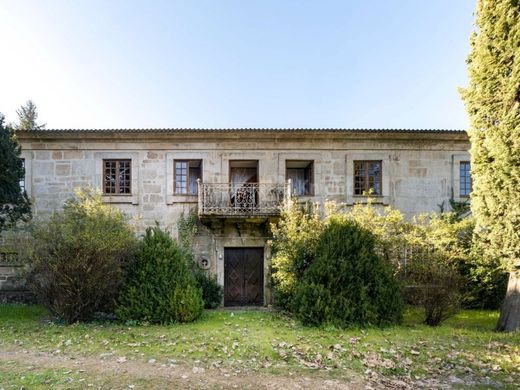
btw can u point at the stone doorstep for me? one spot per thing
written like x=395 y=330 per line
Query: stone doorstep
x=245 y=308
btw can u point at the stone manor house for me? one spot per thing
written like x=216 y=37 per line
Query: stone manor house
x=237 y=180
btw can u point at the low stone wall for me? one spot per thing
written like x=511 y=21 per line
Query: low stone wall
x=12 y=284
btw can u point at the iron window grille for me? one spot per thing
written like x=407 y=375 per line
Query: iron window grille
x=117 y=177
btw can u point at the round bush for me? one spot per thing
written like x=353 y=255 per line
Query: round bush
x=348 y=283
x=160 y=286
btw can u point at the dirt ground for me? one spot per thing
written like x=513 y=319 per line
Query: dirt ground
x=173 y=375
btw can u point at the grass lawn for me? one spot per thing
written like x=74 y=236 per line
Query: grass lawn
x=254 y=349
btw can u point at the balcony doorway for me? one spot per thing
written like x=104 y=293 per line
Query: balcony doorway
x=243 y=178
x=243 y=171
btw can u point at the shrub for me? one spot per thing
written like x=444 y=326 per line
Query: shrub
x=212 y=292
x=75 y=262
x=347 y=283
x=389 y=227
x=294 y=240
x=397 y=240
x=434 y=285
x=484 y=281
x=160 y=286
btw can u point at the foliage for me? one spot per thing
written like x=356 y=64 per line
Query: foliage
x=483 y=283
x=212 y=292
x=389 y=227
x=75 y=263
x=461 y=209
x=493 y=103
x=27 y=117
x=188 y=227
x=294 y=241
x=14 y=203
x=397 y=240
x=435 y=286
x=484 y=280
x=160 y=286
x=348 y=283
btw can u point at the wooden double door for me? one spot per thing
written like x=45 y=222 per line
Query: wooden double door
x=243 y=276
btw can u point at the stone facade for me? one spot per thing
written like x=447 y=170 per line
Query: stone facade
x=419 y=172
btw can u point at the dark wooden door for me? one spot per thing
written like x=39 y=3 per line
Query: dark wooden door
x=243 y=276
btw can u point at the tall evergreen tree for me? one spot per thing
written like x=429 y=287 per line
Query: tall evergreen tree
x=14 y=203
x=27 y=116
x=493 y=102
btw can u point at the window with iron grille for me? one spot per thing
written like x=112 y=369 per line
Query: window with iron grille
x=465 y=178
x=368 y=178
x=117 y=177
x=22 y=182
x=186 y=173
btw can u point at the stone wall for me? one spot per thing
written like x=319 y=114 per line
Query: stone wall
x=418 y=173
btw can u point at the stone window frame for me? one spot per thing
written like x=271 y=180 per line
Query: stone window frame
x=461 y=194
x=100 y=157
x=456 y=159
x=170 y=157
x=316 y=159
x=117 y=186
x=22 y=181
x=366 y=177
x=225 y=158
x=309 y=189
x=188 y=161
x=350 y=158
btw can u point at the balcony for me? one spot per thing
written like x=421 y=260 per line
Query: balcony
x=249 y=200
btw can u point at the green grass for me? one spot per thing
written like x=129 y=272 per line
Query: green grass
x=465 y=346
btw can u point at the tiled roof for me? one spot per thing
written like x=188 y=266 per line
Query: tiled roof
x=245 y=130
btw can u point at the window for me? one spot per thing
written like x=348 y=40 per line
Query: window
x=186 y=174
x=368 y=178
x=22 y=182
x=465 y=178
x=117 y=177
x=301 y=174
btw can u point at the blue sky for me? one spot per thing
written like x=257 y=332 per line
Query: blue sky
x=236 y=63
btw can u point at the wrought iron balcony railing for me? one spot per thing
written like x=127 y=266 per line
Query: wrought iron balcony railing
x=242 y=200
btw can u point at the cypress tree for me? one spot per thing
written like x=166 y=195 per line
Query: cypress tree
x=493 y=102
